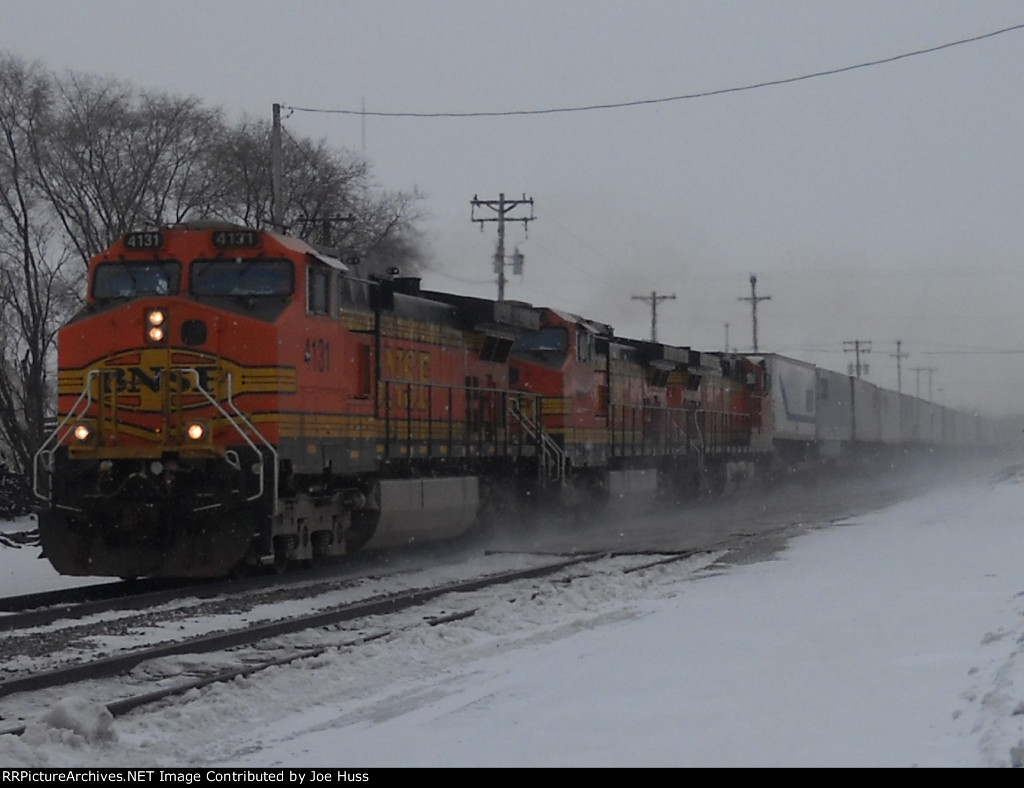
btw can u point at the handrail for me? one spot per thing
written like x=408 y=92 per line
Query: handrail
x=697 y=445
x=45 y=451
x=415 y=415
x=552 y=455
x=236 y=418
x=246 y=421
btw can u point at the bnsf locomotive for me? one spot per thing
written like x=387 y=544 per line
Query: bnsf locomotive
x=232 y=397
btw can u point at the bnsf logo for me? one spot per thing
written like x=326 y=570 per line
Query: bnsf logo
x=146 y=388
x=405 y=369
x=136 y=380
x=150 y=380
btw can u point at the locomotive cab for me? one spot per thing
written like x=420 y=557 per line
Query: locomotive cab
x=159 y=463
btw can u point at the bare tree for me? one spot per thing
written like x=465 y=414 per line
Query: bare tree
x=384 y=232
x=240 y=162
x=328 y=197
x=34 y=295
x=183 y=183
x=118 y=162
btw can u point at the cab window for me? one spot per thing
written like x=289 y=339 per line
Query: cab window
x=584 y=344
x=131 y=279
x=318 y=295
x=353 y=294
x=549 y=345
x=248 y=278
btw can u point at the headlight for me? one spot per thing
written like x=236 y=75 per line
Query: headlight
x=82 y=433
x=196 y=431
x=155 y=329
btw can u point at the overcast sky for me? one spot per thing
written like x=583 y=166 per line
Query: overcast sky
x=878 y=204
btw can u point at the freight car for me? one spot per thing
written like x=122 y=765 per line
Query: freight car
x=819 y=414
x=232 y=397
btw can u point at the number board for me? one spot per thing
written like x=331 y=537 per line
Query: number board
x=224 y=239
x=144 y=240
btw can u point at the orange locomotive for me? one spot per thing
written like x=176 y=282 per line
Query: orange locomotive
x=233 y=397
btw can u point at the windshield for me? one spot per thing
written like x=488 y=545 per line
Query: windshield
x=253 y=277
x=549 y=344
x=127 y=280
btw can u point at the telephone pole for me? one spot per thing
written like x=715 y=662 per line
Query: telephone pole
x=654 y=298
x=930 y=371
x=858 y=346
x=899 y=356
x=325 y=224
x=276 y=171
x=502 y=208
x=754 y=299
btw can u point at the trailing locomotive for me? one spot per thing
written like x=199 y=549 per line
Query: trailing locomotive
x=232 y=397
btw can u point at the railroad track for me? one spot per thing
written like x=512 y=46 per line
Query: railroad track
x=252 y=647
x=38 y=609
x=40 y=641
x=150 y=655
x=32 y=610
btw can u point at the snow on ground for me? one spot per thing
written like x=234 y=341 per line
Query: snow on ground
x=893 y=639
x=21 y=572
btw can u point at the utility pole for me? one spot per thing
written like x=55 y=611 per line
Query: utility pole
x=899 y=356
x=654 y=298
x=276 y=172
x=930 y=371
x=325 y=223
x=501 y=208
x=858 y=346
x=754 y=299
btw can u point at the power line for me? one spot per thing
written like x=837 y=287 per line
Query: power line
x=664 y=100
